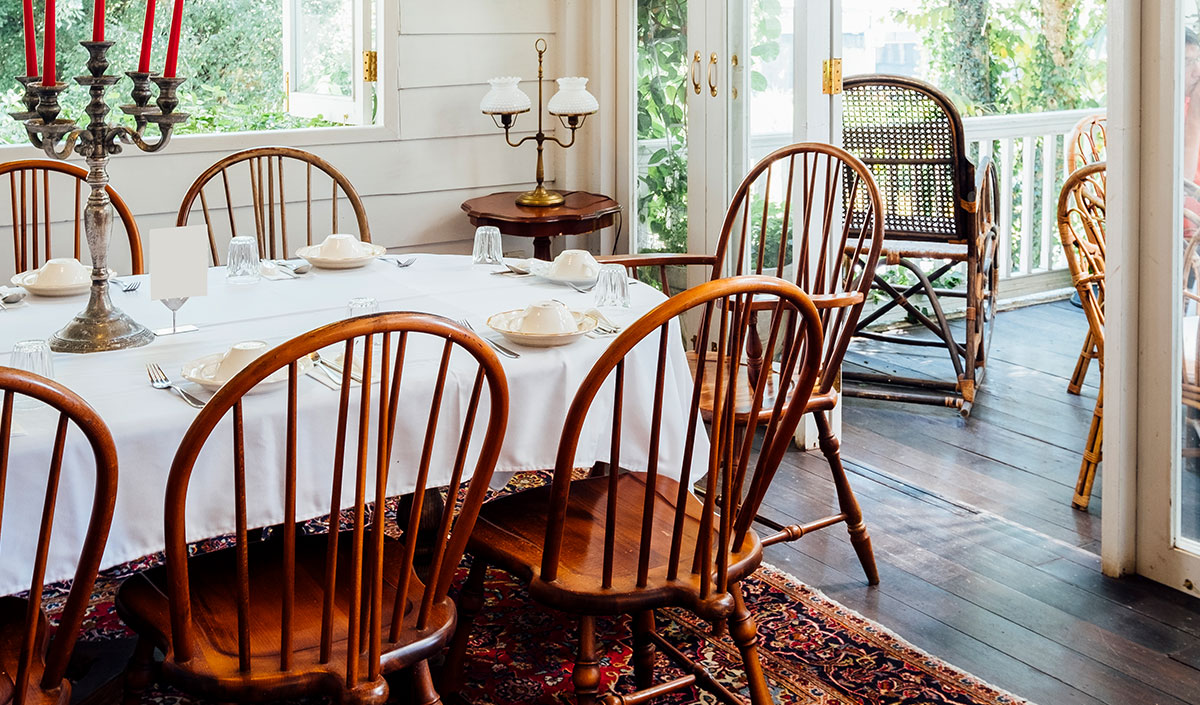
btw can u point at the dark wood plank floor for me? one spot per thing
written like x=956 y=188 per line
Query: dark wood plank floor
x=983 y=562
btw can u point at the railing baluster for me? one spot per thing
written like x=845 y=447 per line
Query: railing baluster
x=1006 y=207
x=1049 y=198
x=1028 y=170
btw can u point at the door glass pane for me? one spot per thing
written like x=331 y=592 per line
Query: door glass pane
x=325 y=47
x=772 y=66
x=661 y=143
x=1187 y=483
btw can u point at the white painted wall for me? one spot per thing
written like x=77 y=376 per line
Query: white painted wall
x=435 y=150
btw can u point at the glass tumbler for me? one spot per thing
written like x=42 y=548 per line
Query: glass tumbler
x=32 y=356
x=243 y=264
x=612 y=287
x=361 y=306
x=487 y=246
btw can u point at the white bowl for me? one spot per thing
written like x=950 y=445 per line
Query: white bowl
x=547 y=317
x=340 y=246
x=237 y=358
x=364 y=253
x=203 y=372
x=574 y=265
x=508 y=324
x=57 y=277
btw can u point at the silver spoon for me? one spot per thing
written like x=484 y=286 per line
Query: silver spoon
x=14 y=297
x=304 y=268
x=582 y=289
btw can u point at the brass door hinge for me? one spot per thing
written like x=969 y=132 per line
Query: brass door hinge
x=370 y=66
x=831 y=76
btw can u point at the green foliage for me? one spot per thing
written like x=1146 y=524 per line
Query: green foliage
x=230 y=50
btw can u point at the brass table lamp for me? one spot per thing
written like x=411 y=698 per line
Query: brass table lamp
x=571 y=105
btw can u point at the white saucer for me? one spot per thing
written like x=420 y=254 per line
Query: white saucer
x=542 y=268
x=201 y=370
x=369 y=250
x=28 y=281
x=505 y=323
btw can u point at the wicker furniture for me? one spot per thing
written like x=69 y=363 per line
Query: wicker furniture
x=324 y=614
x=777 y=224
x=259 y=192
x=33 y=657
x=632 y=542
x=939 y=206
x=1081 y=228
x=1087 y=144
x=32 y=183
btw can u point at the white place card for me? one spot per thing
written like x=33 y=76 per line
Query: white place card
x=178 y=262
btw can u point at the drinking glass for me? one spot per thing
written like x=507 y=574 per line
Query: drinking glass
x=612 y=287
x=487 y=246
x=361 y=306
x=32 y=356
x=243 y=267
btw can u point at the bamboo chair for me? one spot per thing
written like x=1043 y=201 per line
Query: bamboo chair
x=324 y=614
x=34 y=657
x=940 y=206
x=1191 y=338
x=780 y=222
x=31 y=184
x=1087 y=144
x=257 y=198
x=633 y=542
x=1081 y=228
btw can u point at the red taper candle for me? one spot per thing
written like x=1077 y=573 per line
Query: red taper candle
x=31 y=66
x=173 y=42
x=147 y=38
x=50 y=77
x=98 y=21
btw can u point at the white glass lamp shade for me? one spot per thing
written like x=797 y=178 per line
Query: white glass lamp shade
x=505 y=97
x=573 y=98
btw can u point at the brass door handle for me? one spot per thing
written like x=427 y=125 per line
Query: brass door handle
x=695 y=72
x=712 y=74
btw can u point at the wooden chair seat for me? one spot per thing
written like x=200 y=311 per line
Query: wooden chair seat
x=511 y=531
x=745 y=391
x=13 y=611
x=213 y=669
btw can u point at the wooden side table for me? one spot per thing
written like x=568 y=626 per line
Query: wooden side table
x=582 y=213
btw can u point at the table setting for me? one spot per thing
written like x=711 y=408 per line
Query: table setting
x=552 y=335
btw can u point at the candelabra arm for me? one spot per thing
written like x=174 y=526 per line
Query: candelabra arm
x=131 y=136
x=50 y=146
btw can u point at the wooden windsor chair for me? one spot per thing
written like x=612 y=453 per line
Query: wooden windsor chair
x=1087 y=144
x=631 y=542
x=33 y=185
x=331 y=614
x=1081 y=228
x=780 y=222
x=939 y=206
x=257 y=198
x=34 y=657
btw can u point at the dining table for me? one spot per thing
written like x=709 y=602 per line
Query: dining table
x=148 y=424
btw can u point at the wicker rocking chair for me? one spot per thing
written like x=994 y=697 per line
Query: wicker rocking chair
x=938 y=206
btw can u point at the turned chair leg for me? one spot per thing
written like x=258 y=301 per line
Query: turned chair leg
x=1081 y=365
x=423 y=691
x=470 y=601
x=643 y=649
x=848 y=504
x=1091 y=455
x=745 y=634
x=586 y=674
x=139 y=674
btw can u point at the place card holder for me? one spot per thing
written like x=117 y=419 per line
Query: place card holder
x=178 y=270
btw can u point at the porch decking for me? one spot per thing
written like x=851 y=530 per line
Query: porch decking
x=982 y=560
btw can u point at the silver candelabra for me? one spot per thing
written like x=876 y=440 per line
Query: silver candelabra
x=100 y=326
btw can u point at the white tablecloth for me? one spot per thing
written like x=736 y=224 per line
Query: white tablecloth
x=148 y=424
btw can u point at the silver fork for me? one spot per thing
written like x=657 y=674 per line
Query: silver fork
x=495 y=346
x=127 y=287
x=159 y=380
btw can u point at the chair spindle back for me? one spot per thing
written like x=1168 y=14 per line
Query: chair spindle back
x=1088 y=142
x=1081 y=228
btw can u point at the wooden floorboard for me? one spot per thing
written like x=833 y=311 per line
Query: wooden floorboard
x=983 y=562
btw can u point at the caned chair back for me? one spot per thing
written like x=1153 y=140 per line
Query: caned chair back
x=40 y=191
x=253 y=192
x=1088 y=142
x=730 y=504
x=418 y=362
x=910 y=136
x=785 y=220
x=1081 y=228
x=37 y=669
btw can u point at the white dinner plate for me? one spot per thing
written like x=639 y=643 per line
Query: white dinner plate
x=369 y=250
x=28 y=281
x=506 y=324
x=201 y=370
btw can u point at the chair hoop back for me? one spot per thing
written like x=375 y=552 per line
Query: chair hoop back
x=72 y=410
x=33 y=214
x=910 y=135
x=1088 y=142
x=785 y=220
x=269 y=201
x=727 y=306
x=1081 y=228
x=361 y=621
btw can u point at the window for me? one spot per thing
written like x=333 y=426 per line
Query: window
x=251 y=65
